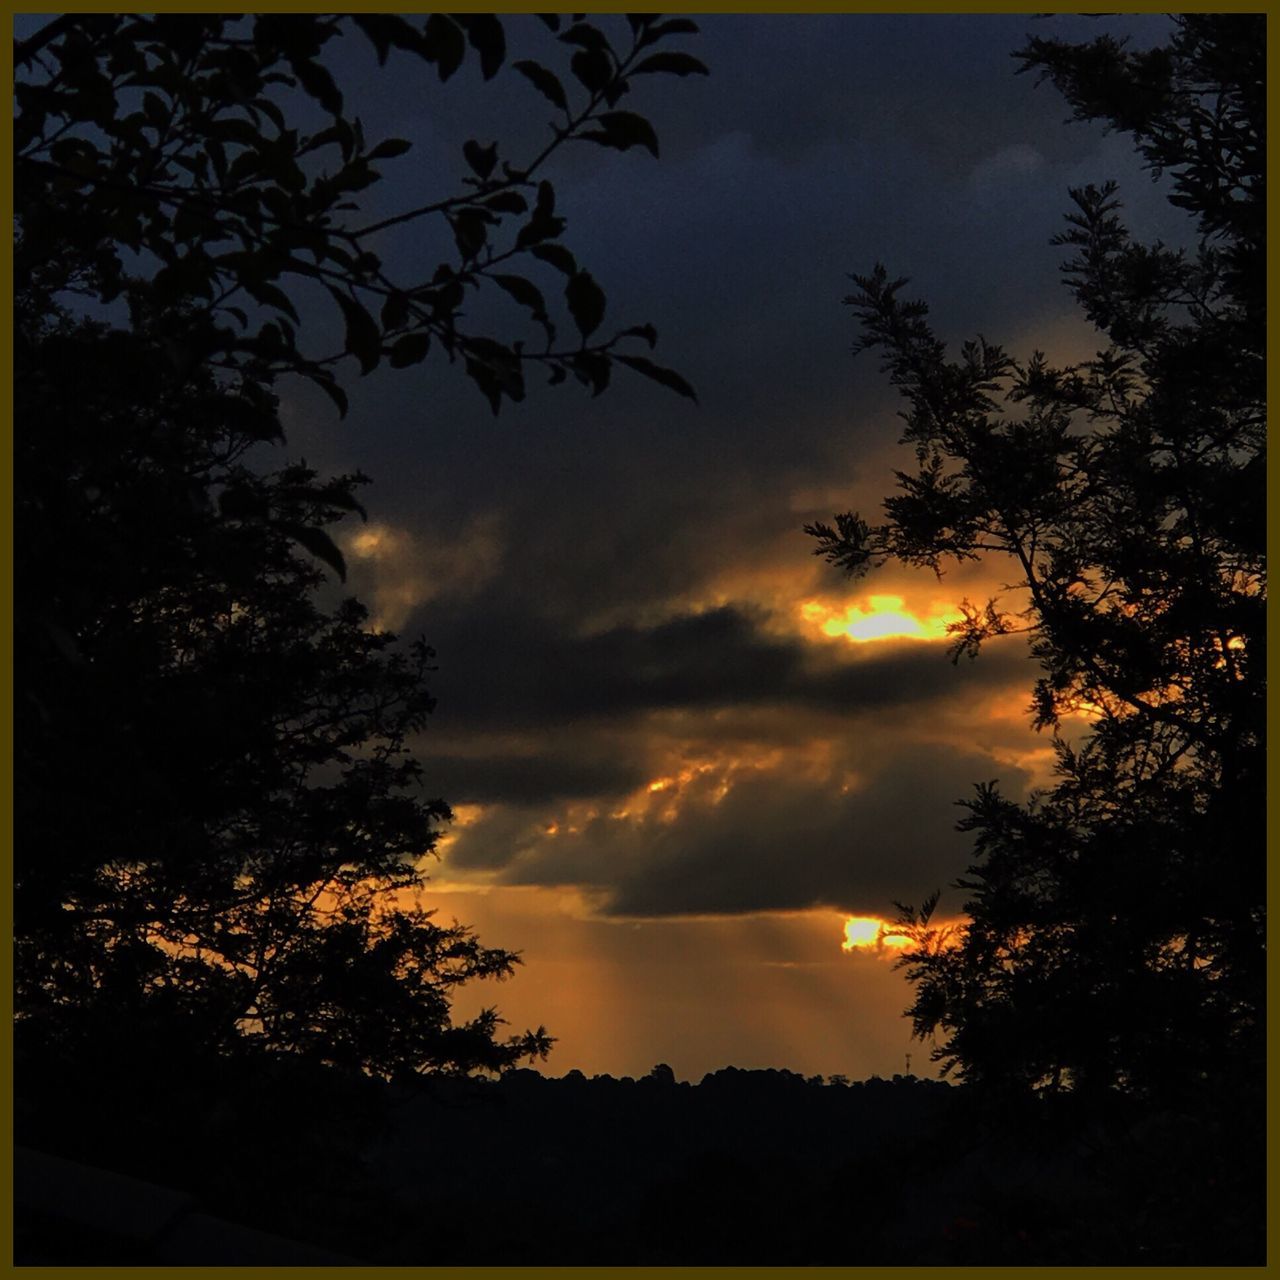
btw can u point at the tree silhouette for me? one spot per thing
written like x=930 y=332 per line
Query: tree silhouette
x=220 y=828
x=1116 y=935
x=179 y=144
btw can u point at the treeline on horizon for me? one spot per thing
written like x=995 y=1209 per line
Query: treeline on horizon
x=747 y=1167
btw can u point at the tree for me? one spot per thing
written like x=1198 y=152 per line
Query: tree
x=1116 y=921
x=173 y=143
x=220 y=828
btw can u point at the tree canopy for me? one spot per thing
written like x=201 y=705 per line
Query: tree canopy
x=220 y=828
x=1116 y=934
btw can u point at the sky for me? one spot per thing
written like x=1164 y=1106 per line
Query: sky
x=681 y=750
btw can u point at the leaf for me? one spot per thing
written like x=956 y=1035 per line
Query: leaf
x=375 y=26
x=317 y=81
x=593 y=69
x=487 y=38
x=336 y=494
x=318 y=543
x=586 y=302
x=645 y=331
x=542 y=226
x=445 y=44
x=586 y=36
x=488 y=384
x=678 y=64
x=158 y=115
x=469 y=232
x=389 y=148
x=385 y=30
x=242 y=166
x=667 y=377
x=395 y=310
x=329 y=385
x=481 y=159
x=362 y=337
x=411 y=349
x=524 y=292
x=614 y=91
x=495 y=369
x=507 y=202
x=557 y=255
x=672 y=27
x=592 y=368
x=271 y=296
x=623 y=130
x=546 y=82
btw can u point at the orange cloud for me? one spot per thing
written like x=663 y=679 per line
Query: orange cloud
x=879 y=617
x=869 y=933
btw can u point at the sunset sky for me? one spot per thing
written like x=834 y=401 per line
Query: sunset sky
x=682 y=751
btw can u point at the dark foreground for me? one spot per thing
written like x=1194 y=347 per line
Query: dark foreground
x=745 y=1168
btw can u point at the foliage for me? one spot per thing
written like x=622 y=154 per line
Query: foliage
x=167 y=160
x=245 y=833
x=220 y=827
x=1116 y=935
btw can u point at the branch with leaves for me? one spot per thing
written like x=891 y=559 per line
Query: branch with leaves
x=162 y=150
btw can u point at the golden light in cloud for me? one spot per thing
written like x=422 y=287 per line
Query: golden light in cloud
x=368 y=541
x=882 y=617
x=869 y=933
x=402 y=571
x=464 y=815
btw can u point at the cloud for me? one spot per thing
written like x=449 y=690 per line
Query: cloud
x=538 y=776
x=871 y=823
x=1011 y=166
x=398 y=570
x=721 y=657
x=720 y=761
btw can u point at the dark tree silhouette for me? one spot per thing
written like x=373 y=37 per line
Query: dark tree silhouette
x=1116 y=935
x=169 y=161
x=220 y=830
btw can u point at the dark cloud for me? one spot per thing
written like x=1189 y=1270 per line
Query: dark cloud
x=934 y=83
x=531 y=779
x=541 y=676
x=778 y=838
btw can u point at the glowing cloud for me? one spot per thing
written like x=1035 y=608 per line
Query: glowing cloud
x=885 y=617
x=869 y=933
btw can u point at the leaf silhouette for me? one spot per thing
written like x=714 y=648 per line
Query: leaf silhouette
x=586 y=302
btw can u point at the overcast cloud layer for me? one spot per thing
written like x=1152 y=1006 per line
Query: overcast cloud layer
x=631 y=696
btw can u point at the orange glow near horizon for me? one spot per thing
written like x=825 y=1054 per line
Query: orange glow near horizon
x=884 y=617
x=869 y=933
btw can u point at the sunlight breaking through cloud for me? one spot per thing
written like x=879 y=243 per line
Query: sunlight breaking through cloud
x=883 y=617
x=869 y=933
